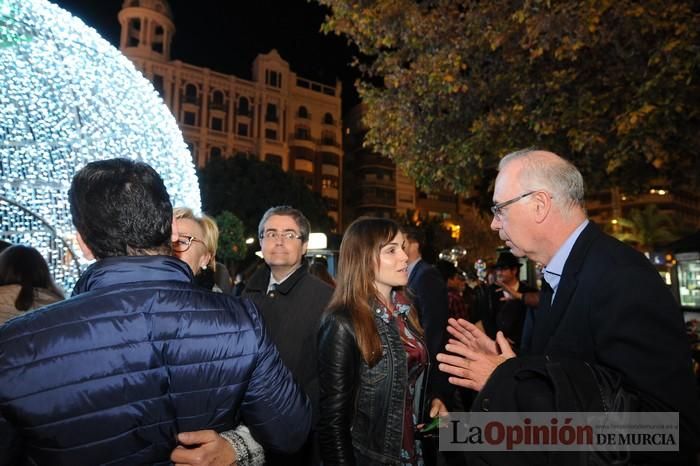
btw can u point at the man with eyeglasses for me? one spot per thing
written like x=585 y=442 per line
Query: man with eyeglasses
x=291 y=301
x=138 y=355
x=604 y=310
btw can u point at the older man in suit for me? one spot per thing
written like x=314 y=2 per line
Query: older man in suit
x=603 y=303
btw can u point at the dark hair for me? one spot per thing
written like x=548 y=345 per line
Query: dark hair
x=414 y=233
x=25 y=266
x=355 y=289
x=287 y=211
x=446 y=268
x=120 y=207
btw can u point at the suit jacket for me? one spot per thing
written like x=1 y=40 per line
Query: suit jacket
x=612 y=309
x=429 y=292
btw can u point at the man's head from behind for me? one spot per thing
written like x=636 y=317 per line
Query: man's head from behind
x=415 y=242
x=120 y=207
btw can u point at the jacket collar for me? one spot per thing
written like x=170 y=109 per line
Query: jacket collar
x=545 y=325
x=260 y=279
x=132 y=269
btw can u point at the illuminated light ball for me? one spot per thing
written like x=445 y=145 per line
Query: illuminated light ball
x=67 y=97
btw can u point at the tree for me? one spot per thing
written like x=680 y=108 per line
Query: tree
x=248 y=187
x=452 y=85
x=646 y=228
x=232 y=245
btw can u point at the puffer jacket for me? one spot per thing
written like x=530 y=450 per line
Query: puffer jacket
x=139 y=354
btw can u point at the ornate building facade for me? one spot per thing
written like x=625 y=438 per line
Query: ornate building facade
x=276 y=116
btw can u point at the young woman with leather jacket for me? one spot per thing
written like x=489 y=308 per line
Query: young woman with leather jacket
x=373 y=363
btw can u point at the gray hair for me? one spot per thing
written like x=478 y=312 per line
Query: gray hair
x=287 y=211
x=548 y=171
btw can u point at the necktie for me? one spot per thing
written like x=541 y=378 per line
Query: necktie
x=272 y=291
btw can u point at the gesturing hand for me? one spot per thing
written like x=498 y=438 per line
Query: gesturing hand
x=471 y=368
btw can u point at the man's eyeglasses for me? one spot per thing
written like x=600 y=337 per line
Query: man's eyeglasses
x=184 y=242
x=497 y=209
x=284 y=235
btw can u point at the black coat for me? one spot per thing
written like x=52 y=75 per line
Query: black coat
x=612 y=309
x=292 y=315
x=429 y=293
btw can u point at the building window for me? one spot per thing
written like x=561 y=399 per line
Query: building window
x=303 y=112
x=330 y=159
x=328 y=138
x=134 y=29
x=271 y=113
x=217 y=98
x=215 y=153
x=243 y=107
x=190 y=118
x=217 y=124
x=274 y=159
x=191 y=93
x=273 y=78
x=328 y=119
x=302 y=132
x=271 y=134
x=158 y=84
x=242 y=129
x=329 y=182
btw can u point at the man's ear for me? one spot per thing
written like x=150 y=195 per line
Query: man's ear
x=304 y=248
x=543 y=205
x=87 y=252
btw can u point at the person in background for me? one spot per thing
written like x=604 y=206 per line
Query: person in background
x=501 y=309
x=198 y=238
x=456 y=283
x=319 y=268
x=25 y=282
x=373 y=361
x=238 y=285
x=117 y=373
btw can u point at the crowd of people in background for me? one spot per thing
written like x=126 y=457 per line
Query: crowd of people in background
x=294 y=366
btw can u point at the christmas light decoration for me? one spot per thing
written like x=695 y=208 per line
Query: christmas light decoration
x=67 y=97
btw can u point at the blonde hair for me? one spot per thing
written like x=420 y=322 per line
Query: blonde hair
x=209 y=227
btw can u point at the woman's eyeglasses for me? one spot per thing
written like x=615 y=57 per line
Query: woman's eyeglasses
x=184 y=242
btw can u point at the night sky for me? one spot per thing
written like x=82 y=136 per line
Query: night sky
x=227 y=35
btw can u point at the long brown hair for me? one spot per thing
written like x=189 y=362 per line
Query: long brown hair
x=355 y=289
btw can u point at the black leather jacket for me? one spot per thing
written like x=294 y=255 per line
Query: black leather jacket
x=362 y=408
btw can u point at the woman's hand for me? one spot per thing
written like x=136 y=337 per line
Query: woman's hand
x=438 y=408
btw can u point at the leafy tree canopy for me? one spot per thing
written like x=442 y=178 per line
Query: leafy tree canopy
x=452 y=85
x=248 y=187
x=232 y=245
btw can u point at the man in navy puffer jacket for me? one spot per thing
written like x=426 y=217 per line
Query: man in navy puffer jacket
x=138 y=354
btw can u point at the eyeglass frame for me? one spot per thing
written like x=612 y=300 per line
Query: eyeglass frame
x=190 y=239
x=497 y=209
x=283 y=235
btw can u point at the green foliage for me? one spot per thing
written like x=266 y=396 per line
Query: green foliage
x=232 y=245
x=248 y=187
x=646 y=228
x=450 y=86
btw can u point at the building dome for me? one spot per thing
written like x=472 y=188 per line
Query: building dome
x=160 y=6
x=67 y=98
